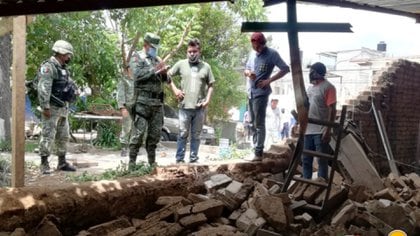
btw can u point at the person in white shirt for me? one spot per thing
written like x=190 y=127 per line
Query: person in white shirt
x=284 y=124
x=272 y=121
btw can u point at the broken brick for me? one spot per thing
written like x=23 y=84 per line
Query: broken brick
x=272 y=209
x=166 y=200
x=211 y=208
x=246 y=219
x=233 y=188
x=193 y=220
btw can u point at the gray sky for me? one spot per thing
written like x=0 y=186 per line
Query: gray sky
x=401 y=34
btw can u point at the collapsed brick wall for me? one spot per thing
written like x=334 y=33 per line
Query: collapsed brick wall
x=395 y=93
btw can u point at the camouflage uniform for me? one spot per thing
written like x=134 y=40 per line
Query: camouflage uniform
x=147 y=107
x=56 y=127
x=125 y=90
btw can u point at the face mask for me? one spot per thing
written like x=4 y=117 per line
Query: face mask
x=67 y=61
x=152 y=52
x=194 y=58
x=313 y=76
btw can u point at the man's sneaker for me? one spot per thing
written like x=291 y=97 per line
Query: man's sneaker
x=254 y=158
x=193 y=160
x=45 y=169
x=66 y=167
x=180 y=161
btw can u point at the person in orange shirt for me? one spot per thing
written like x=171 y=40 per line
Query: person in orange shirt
x=322 y=99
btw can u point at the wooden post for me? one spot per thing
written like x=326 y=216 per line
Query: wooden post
x=302 y=104
x=18 y=101
x=418 y=146
x=292 y=27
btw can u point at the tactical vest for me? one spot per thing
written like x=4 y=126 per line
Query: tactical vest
x=151 y=88
x=62 y=87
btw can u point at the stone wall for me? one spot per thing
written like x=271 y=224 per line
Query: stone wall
x=396 y=93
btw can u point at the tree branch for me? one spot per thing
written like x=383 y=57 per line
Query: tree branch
x=133 y=45
x=181 y=40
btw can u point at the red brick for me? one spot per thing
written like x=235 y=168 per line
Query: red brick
x=193 y=220
x=272 y=209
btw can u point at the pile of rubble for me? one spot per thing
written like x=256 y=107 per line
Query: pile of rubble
x=255 y=206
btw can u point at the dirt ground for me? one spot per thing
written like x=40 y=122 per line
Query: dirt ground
x=90 y=160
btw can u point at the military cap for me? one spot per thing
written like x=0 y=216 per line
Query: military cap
x=152 y=39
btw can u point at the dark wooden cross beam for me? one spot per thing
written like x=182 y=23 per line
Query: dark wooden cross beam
x=292 y=27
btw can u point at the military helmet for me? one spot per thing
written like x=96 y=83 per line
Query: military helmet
x=62 y=47
x=152 y=39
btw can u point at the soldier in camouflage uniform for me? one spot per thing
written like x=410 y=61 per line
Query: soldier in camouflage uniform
x=54 y=97
x=125 y=90
x=148 y=73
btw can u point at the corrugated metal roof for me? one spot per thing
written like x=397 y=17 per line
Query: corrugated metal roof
x=410 y=8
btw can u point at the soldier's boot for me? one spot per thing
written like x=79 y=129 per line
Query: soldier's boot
x=151 y=158
x=124 y=150
x=132 y=162
x=45 y=166
x=63 y=165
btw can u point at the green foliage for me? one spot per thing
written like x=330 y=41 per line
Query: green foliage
x=249 y=10
x=112 y=174
x=107 y=134
x=5 y=170
x=98 y=53
x=31 y=145
x=236 y=153
x=5 y=145
x=95 y=51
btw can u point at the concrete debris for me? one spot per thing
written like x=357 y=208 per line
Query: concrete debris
x=249 y=207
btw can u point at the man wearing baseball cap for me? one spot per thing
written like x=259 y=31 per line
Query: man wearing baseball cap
x=322 y=99
x=148 y=72
x=259 y=71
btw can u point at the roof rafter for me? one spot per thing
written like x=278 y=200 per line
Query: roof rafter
x=15 y=7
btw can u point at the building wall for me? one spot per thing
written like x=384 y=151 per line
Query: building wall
x=396 y=95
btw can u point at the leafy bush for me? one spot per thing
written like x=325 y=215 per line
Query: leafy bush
x=5 y=146
x=107 y=134
x=5 y=165
x=112 y=174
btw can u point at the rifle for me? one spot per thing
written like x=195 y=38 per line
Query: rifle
x=56 y=101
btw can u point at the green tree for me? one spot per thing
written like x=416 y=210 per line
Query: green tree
x=217 y=25
x=95 y=48
x=98 y=53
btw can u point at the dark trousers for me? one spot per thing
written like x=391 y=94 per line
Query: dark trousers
x=258 y=107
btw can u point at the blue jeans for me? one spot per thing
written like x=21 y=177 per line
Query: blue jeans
x=313 y=142
x=258 y=110
x=189 y=120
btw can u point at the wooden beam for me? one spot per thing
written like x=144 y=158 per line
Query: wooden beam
x=300 y=27
x=18 y=101
x=302 y=103
x=11 y=8
x=6 y=24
